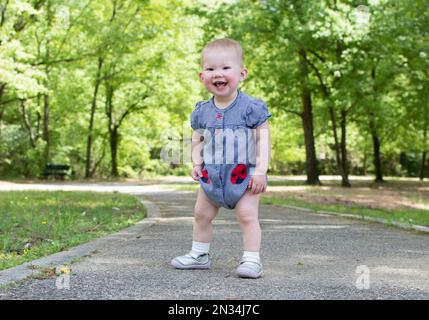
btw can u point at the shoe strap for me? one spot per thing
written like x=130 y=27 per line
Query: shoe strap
x=250 y=261
x=196 y=256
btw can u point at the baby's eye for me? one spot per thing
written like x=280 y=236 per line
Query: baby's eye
x=226 y=68
x=209 y=69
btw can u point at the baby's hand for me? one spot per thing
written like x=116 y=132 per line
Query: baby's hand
x=196 y=173
x=258 y=183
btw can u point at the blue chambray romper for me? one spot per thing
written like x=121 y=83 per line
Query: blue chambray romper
x=229 y=151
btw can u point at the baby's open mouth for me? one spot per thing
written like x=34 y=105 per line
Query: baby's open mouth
x=220 y=83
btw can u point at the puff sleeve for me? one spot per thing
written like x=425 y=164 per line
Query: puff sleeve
x=195 y=117
x=256 y=114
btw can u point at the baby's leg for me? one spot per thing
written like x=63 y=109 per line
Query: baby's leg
x=198 y=257
x=247 y=215
x=205 y=211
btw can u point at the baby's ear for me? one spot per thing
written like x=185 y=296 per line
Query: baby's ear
x=243 y=74
x=200 y=76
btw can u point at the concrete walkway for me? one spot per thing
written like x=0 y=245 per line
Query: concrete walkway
x=305 y=256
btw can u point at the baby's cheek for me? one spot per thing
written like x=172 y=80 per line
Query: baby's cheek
x=233 y=82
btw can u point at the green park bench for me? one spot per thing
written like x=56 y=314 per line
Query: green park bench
x=58 y=171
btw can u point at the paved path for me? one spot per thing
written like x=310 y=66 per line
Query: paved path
x=305 y=255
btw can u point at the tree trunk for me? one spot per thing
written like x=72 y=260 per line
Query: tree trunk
x=307 y=122
x=3 y=13
x=46 y=127
x=113 y=131
x=364 y=165
x=27 y=124
x=327 y=94
x=377 y=155
x=2 y=87
x=114 y=150
x=337 y=144
x=88 y=172
x=45 y=135
x=344 y=163
x=422 y=165
x=1 y=117
x=375 y=138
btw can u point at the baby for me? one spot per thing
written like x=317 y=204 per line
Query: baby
x=230 y=155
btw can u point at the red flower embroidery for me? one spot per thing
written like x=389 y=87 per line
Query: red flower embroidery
x=239 y=174
x=218 y=116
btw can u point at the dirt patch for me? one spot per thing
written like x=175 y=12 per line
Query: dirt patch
x=393 y=195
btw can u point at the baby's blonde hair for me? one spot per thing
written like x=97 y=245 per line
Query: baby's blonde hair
x=224 y=44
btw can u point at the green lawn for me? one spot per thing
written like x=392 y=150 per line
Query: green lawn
x=34 y=224
x=417 y=217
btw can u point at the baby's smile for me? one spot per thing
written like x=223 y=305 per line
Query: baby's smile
x=220 y=83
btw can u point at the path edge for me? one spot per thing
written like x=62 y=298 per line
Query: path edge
x=66 y=257
x=365 y=218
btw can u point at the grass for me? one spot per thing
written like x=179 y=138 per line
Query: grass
x=34 y=224
x=416 y=217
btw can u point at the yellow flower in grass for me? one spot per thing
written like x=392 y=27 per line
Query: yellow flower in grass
x=60 y=270
x=64 y=270
x=44 y=222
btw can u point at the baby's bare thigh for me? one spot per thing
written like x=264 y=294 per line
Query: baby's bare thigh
x=204 y=202
x=249 y=202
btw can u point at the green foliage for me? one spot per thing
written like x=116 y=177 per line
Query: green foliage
x=357 y=66
x=367 y=58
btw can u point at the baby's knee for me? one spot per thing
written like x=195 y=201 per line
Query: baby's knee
x=201 y=214
x=247 y=215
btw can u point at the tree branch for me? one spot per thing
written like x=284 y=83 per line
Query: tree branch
x=27 y=123
x=3 y=13
x=51 y=62
x=354 y=104
x=319 y=76
x=293 y=111
x=131 y=109
x=16 y=99
x=97 y=163
x=317 y=55
x=76 y=20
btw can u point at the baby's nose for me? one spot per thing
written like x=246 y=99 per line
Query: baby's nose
x=218 y=74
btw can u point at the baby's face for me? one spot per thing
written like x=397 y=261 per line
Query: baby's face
x=222 y=72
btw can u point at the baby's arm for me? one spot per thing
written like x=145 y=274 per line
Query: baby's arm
x=196 y=155
x=258 y=182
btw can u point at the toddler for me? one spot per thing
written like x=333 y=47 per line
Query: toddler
x=230 y=155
